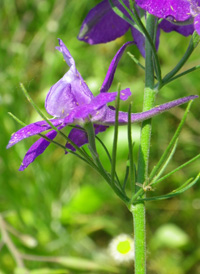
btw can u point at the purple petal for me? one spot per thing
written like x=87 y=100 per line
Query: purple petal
x=31 y=130
x=99 y=101
x=60 y=100
x=37 y=148
x=112 y=68
x=102 y=25
x=184 y=30
x=66 y=54
x=79 y=137
x=178 y=10
x=109 y=118
x=104 y=98
x=69 y=92
x=139 y=40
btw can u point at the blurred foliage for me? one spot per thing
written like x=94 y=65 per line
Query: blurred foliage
x=60 y=207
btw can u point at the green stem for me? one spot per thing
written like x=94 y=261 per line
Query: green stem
x=138 y=210
x=149 y=38
x=115 y=140
x=130 y=145
x=92 y=146
x=138 y=213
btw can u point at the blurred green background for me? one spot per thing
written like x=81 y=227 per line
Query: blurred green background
x=62 y=204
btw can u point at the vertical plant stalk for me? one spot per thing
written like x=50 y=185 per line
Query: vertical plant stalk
x=138 y=210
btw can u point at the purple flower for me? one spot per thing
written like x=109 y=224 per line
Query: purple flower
x=103 y=25
x=71 y=102
x=175 y=11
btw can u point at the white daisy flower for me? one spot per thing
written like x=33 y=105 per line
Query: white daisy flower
x=121 y=248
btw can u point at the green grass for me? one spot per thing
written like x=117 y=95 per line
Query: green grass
x=59 y=201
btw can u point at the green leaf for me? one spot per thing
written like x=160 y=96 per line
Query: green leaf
x=183 y=73
x=136 y=61
x=188 y=184
x=195 y=39
x=165 y=157
x=177 y=169
x=154 y=181
x=108 y=155
x=17 y=119
x=89 y=127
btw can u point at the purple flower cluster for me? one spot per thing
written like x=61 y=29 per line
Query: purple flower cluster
x=71 y=102
x=103 y=25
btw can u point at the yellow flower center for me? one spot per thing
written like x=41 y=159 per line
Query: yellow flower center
x=124 y=247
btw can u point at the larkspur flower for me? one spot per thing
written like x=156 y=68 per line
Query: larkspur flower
x=71 y=102
x=121 y=248
x=103 y=25
x=176 y=11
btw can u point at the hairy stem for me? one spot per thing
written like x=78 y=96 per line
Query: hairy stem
x=138 y=210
